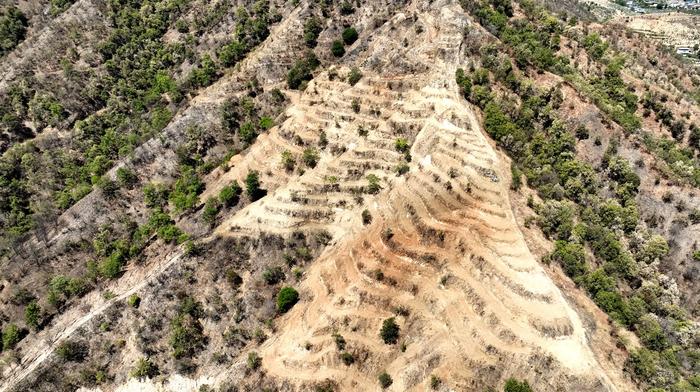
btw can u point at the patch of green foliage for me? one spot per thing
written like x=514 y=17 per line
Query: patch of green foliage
x=286 y=299
x=13 y=28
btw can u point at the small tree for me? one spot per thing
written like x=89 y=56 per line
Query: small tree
x=211 y=210
x=312 y=29
x=134 y=300
x=355 y=104
x=366 y=217
x=401 y=145
x=390 y=331
x=252 y=185
x=435 y=382
x=349 y=35
x=144 y=368
x=286 y=299
x=254 y=360
x=373 y=187
x=229 y=195
x=32 y=314
x=347 y=358
x=310 y=157
x=354 y=76
x=273 y=275
x=385 y=380
x=11 y=335
x=288 y=160
x=513 y=385
x=72 y=351
x=337 y=48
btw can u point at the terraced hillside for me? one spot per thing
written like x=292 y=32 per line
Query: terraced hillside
x=341 y=205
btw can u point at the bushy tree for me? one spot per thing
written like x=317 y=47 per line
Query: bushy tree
x=11 y=335
x=252 y=186
x=229 y=195
x=288 y=160
x=390 y=331
x=513 y=385
x=385 y=380
x=13 y=28
x=373 y=186
x=211 y=210
x=337 y=48
x=32 y=315
x=72 y=351
x=572 y=258
x=349 y=36
x=143 y=369
x=354 y=76
x=302 y=70
x=310 y=157
x=312 y=29
x=186 y=190
x=286 y=299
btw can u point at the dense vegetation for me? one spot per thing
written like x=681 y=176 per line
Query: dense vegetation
x=130 y=98
x=13 y=28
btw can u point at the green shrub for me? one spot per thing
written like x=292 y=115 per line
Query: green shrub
x=266 y=123
x=349 y=36
x=310 y=157
x=32 y=315
x=286 y=299
x=126 y=177
x=111 y=266
x=288 y=160
x=401 y=145
x=204 y=74
x=572 y=258
x=651 y=334
x=134 y=300
x=186 y=334
x=373 y=187
x=11 y=335
x=513 y=385
x=72 y=351
x=13 y=28
x=312 y=29
x=188 y=186
x=346 y=8
x=155 y=195
x=302 y=70
x=229 y=195
x=354 y=76
x=385 y=380
x=254 y=360
x=556 y=219
x=390 y=331
x=464 y=83
x=273 y=275
x=435 y=382
x=337 y=48
x=252 y=185
x=366 y=217
x=143 y=369
x=347 y=358
x=644 y=363
x=355 y=105
x=232 y=53
x=339 y=341
x=211 y=210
